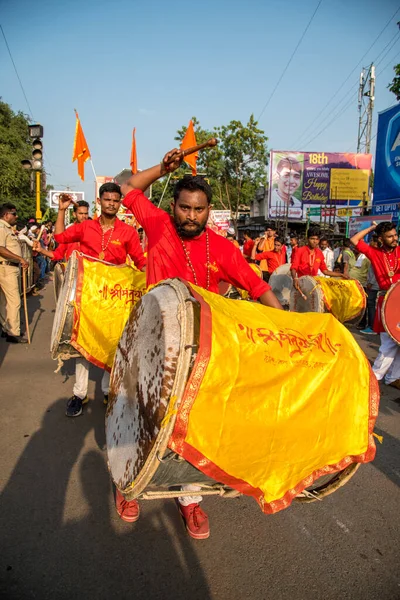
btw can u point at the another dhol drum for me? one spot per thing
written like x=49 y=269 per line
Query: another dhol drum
x=60 y=345
x=94 y=303
x=281 y=283
x=58 y=278
x=161 y=369
x=344 y=299
x=391 y=312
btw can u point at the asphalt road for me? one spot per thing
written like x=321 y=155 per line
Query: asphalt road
x=60 y=537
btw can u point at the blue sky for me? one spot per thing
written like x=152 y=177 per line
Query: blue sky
x=153 y=65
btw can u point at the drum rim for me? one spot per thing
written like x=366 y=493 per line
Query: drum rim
x=186 y=318
x=72 y=266
x=387 y=295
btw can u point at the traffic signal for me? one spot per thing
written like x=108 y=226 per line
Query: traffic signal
x=36 y=160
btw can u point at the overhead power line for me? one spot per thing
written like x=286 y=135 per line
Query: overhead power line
x=333 y=96
x=290 y=60
x=16 y=72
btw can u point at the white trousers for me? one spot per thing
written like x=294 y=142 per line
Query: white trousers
x=388 y=360
x=82 y=379
x=186 y=500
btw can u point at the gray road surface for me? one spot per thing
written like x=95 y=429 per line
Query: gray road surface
x=60 y=537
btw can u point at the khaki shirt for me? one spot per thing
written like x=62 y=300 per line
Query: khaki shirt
x=8 y=239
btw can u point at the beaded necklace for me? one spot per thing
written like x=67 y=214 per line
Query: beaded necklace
x=189 y=262
x=104 y=246
x=312 y=256
x=391 y=271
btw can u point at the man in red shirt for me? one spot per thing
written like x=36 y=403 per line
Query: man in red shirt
x=309 y=259
x=385 y=261
x=275 y=258
x=247 y=246
x=108 y=239
x=64 y=251
x=183 y=246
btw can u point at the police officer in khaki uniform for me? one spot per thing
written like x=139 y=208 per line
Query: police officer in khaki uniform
x=10 y=299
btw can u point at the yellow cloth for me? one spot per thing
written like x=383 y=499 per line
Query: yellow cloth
x=274 y=400
x=345 y=299
x=106 y=295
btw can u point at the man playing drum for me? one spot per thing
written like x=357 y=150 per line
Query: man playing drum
x=107 y=239
x=385 y=261
x=309 y=260
x=274 y=258
x=183 y=246
x=64 y=251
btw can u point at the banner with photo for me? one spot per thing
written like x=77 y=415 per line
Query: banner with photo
x=302 y=180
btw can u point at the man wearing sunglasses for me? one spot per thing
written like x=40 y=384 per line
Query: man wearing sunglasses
x=10 y=299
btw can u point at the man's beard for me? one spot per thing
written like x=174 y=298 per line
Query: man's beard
x=182 y=232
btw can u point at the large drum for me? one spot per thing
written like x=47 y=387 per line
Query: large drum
x=345 y=299
x=185 y=405
x=391 y=312
x=58 y=278
x=281 y=283
x=94 y=303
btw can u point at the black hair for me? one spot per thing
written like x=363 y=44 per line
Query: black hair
x=193 y=184
x=384 y=228
x=111 y=187
x=269 y=226
x=347 y=243
x=279 y=239
x=5 y=208
x=313 y=232
x=84 y=203
x=247 y=232
x=323 y=238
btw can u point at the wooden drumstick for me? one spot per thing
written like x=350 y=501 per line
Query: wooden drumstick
x=40 y=233
x=208 y=144
x=28 y=333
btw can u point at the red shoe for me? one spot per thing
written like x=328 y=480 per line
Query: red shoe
x=128 y=511
x=196 y=521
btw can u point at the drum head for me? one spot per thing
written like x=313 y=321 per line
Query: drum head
x=281 y=283
x=150 y=367
x=59 y=272
x=391 y=312
x=63 y=318
x=311 y=299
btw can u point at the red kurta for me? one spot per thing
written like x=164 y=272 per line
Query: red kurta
x=274 y=259
x=308 y=262
x=123 y=240
x=166 y=257
x=382 y=262
x=64 y=251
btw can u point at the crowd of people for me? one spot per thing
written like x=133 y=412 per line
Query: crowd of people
x=181 y=245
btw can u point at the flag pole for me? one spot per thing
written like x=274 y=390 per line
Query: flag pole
x=164 y=190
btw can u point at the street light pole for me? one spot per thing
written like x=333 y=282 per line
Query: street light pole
x=38 y=189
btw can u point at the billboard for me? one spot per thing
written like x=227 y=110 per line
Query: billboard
x=302 y=180
x=387 y=163
x=356 y=224
x=219 y=220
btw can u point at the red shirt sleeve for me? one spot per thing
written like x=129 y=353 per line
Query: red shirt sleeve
x=237 y=271
x=262 y=256
x=59 y=252
x=71 y=234
x=135 y=251
x=365 y=249
x=296 y=259
x=145 y=212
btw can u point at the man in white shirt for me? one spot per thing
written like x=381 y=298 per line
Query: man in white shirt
x=328 y=255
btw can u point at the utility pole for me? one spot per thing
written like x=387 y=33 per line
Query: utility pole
x=366 y=99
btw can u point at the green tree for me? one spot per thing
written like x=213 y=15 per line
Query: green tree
x=15 y=182
x=395 y=85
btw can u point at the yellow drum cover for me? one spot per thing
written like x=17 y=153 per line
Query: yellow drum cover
x=265 y=409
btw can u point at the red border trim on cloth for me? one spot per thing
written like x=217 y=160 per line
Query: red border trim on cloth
x=77 y=314
x=178 y=436
x=178 y=444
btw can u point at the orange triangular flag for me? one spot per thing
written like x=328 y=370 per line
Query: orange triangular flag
x=81 y=151
x=188 y=141
x=133 y=162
